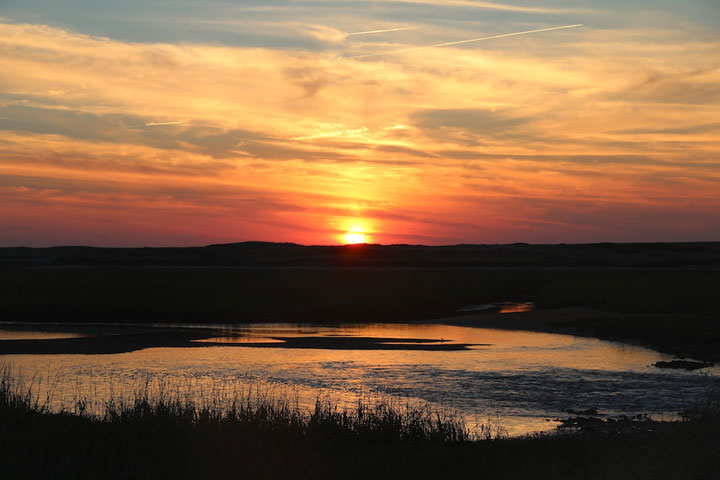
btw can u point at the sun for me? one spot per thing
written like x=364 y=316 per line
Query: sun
x=354 y=232
x=354 y=238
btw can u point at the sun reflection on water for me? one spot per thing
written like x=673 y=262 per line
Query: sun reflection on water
x=523 y=380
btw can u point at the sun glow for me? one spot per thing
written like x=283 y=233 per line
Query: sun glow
x=354 y=238
x=277 y=140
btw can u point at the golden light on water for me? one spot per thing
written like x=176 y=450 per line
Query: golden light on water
x=522 y=356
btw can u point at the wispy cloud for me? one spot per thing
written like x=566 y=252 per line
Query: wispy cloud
x=550 y=138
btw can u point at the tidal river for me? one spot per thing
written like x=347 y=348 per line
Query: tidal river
x=521 y=381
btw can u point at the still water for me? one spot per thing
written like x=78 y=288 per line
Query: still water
x=522 y=381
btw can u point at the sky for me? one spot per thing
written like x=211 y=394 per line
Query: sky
x=178 y=122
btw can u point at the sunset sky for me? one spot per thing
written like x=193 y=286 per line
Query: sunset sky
x=171 y=122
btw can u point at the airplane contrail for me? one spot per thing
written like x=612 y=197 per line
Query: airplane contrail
x=461 y=42
x=155 y=124
x=382 y=31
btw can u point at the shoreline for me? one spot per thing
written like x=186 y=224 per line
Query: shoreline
x=628 y=328
x=271 y=440
x=665 y=336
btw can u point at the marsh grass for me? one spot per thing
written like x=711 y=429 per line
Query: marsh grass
x=155 y=405
x=382 y=420
x=163 y=433
x=705 y=409
x=15 y=395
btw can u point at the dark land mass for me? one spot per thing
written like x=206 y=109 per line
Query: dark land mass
x=363 y=343
x=663 y=295
x=683 y=364
x=97 y=339
x=703 y=255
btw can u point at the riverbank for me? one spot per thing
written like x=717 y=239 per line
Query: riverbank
x=170 y=438
x=99 y=339
x=689 y=336
x=154 y=294
x=694 y=337
x=671 y=310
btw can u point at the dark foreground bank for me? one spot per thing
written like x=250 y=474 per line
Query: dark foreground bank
x=674 y=310
x=262 y=438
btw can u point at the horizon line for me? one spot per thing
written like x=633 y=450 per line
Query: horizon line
x=657 y=242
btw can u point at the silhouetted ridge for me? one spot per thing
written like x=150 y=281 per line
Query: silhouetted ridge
x=267 y=254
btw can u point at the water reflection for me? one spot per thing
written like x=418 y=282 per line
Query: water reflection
x=36 y=335
x=516 y=307
x=523 y=380
x=499 y=307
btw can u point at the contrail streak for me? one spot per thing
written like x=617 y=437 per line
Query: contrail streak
x=462 y=41
x=155 y=124
x=382 y=31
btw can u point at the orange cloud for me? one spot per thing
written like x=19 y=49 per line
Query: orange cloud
x=608 y=138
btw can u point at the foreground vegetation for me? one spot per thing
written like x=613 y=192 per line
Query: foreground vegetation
x=170 y=436
x=671 y=288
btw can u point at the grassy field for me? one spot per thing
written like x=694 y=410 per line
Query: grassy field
x=254 y=437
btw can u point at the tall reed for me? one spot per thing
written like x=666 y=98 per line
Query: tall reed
x=257 y=410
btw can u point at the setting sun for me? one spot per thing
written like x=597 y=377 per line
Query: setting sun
x=355 y=237
x=360 y=230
